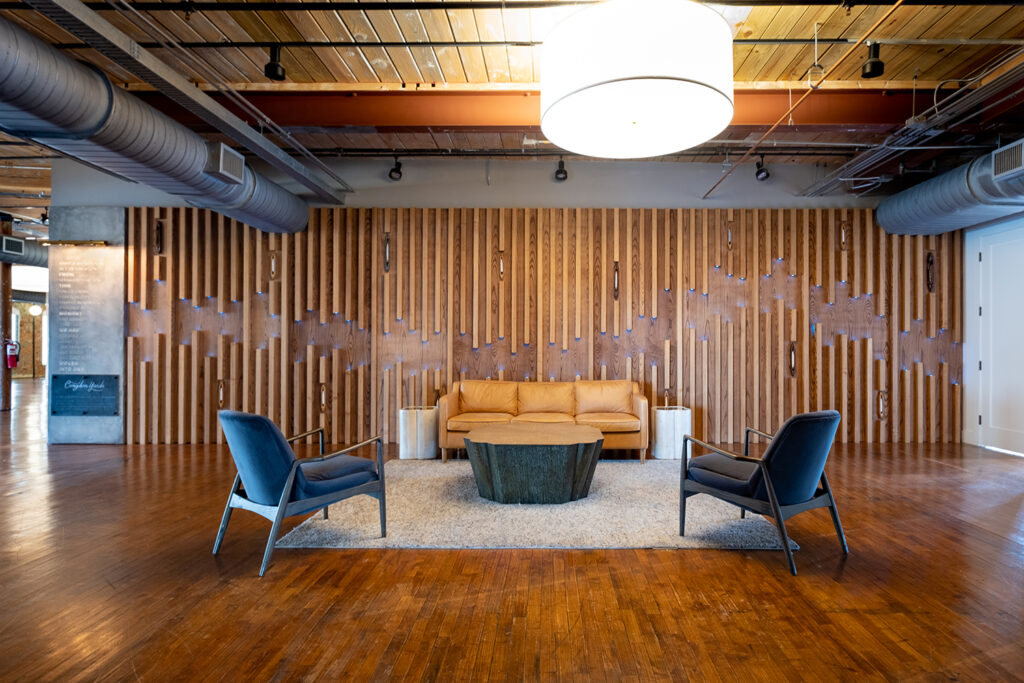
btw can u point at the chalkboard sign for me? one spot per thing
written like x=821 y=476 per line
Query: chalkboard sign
x=84 y=395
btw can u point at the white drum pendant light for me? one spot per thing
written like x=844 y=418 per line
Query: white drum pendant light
x=628 y=79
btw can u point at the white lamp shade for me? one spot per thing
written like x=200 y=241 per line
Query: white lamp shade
x=628 y=79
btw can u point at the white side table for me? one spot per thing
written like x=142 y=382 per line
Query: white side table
x=417 y=433
x=669 y=424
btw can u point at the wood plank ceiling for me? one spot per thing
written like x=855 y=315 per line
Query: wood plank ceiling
x=765 y=65
x=755 y=64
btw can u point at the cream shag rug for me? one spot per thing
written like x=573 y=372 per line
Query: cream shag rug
x=435 y=505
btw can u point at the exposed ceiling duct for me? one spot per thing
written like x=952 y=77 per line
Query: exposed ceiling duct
x=23 y=252
x=73 y=108
x=989 y=188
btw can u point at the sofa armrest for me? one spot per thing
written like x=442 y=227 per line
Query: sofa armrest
x=447 y=406
x=639 y=407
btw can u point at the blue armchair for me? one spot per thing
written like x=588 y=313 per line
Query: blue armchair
x=786 y=480
x=273 y=483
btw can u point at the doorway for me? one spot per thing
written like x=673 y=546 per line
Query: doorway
x=994 y=337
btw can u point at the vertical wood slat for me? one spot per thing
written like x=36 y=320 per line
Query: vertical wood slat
x=570 y=255
x=131 y=411
x=197 y=382
x=185 y=396
x=225 y=266
x=142 y=258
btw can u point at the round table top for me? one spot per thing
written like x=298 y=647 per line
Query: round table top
x=535 y=434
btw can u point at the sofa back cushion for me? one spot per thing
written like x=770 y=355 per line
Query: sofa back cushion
x=603 y=396
x=482 y=396
x=546 y=397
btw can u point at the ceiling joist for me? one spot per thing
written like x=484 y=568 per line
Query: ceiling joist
x=362 y=44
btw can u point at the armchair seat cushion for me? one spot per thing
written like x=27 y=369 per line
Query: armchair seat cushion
x=610 y=422
x=544 y=418
x=725 y=474
x=464 y=422
x=332 y=475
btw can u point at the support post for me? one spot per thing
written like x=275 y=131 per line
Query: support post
x=87 y=313
x=6 y=331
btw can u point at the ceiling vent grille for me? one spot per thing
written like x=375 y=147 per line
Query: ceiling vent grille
x=1008 y=162
x=226 y=164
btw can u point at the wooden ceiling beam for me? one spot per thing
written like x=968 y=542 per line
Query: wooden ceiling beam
x=189 y=6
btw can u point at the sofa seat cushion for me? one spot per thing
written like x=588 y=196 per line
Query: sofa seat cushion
x=610 y=422
x=464 y=422
x=604 y=396
x=544 y=418
x=547 y=397
x=485 y=396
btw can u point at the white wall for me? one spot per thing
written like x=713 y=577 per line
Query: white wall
x=531 y=183
x=504 y=183
x=30 y=278
x=75 y=184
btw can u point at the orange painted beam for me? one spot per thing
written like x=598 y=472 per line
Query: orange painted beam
x=391 y=111
x=517 y=110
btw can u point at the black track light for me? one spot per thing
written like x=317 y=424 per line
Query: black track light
x=873 y=67
x=561 y=174
x=273 y=70
x=760 y=172
x=396 y=171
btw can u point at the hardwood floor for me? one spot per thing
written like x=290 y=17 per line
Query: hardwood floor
x=107 y=573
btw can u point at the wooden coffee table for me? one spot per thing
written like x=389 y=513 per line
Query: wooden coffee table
x=534 y=462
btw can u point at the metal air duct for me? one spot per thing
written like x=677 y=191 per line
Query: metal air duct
x=73 y=108
x=23 y=252
x=971 y=194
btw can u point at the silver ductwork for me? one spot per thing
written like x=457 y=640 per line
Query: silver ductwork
x=73 y=108
x=961 y=198
x=23 y=252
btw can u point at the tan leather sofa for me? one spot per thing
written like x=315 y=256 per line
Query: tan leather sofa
x=616 y=407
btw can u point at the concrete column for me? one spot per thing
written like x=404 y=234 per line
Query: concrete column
x=86 y=318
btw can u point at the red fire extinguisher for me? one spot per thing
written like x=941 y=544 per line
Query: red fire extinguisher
x=13 y=348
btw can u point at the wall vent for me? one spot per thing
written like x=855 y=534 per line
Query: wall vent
x=1008 y=162
x=226 y=164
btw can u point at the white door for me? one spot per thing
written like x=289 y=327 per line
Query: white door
x=1001 y=339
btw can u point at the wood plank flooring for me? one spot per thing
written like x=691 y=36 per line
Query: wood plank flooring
x=106 y=573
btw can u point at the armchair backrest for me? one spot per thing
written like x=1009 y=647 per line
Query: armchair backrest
x=261 y=453
x=796 y=456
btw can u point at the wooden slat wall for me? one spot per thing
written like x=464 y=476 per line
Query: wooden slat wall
x=746 y=316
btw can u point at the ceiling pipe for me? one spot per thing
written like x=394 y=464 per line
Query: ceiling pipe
x=553 y=152
x=73 y=108
x=813 y=88
x=953 y=111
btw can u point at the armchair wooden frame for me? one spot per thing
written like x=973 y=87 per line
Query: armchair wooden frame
x=771 y=507
x=284 y=508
